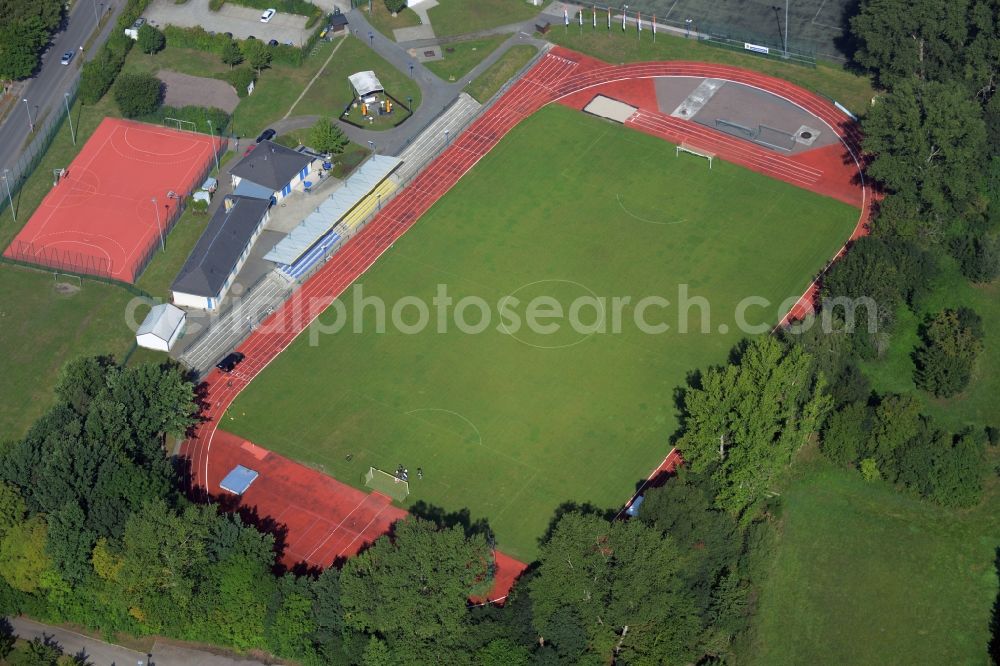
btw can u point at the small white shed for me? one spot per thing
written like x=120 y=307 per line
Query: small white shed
x=161 y=328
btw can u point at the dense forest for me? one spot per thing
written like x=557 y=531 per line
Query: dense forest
x=25 y=32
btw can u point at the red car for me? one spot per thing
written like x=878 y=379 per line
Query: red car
x=249 y=150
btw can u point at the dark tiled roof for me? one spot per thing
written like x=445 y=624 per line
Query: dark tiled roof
x=271 y=165
x=220 y=246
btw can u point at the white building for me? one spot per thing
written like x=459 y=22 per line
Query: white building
x=161 y=328
x=220 y=253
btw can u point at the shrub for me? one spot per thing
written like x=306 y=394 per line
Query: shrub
x=326 y=137
x=869 y=470
x=952 y=339
x=231 y=54
x=99 y=74
x=138 y=94
x=199 y=205
x=395 y=6
x=240 y=78
x=150 y=39
x=216 y=5
x=257 y=53
x=199 y=115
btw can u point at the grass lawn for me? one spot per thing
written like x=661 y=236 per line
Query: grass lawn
x=978 y=403
x=276 y=88
x=497 y=74
x=332 y=91
x=41 y=329
x=854 y=92
x=383 y=20
x=459 y=17
x=512 y=423
x=864 y=574
x=461 y=57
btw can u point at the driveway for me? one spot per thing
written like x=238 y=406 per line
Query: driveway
x=241 y=21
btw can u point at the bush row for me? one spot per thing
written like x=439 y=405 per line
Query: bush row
x=300 y=7
x=199 y=115
x=98 y=74
x=199 y=39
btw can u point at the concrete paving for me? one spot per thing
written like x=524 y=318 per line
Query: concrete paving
x=241 y=21
x=100 y=653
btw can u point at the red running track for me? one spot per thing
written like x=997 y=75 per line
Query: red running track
x=557 y=75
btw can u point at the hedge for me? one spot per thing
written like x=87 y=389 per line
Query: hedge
x=99 y=74
x=196 y=38
x=193 y=114
x=239 y=78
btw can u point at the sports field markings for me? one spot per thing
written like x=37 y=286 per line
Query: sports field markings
x=822 y=25
x=503 y=326
x=621 y=204
x=583 y=153
x=482 y=442
x=671 y=10
x=454 y=413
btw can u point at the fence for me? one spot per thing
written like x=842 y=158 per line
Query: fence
x=747 y=27
x=17 y=175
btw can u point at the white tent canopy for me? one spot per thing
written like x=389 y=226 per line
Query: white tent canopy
x=365 y=84
x=161 y=327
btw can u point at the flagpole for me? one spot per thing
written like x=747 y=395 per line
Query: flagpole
x=654 y=28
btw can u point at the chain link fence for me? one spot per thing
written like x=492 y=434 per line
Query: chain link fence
x=14 y=176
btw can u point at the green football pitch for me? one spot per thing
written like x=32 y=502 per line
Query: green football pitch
x=568 y=212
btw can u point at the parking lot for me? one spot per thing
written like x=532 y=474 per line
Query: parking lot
x=243 y=22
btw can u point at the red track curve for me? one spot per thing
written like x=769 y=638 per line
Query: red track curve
x=557 y=75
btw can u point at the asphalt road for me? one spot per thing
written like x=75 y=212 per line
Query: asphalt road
x=45 y=91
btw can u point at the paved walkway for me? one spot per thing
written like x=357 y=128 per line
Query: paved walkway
x=436 y=94
x=100 y=653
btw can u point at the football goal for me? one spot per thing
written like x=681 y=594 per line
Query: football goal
x=698 y=152
x=179 y=124
x=387 y=484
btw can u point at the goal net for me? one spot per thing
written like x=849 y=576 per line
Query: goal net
x=387 y=484
x=179 y=124
x=697 y=152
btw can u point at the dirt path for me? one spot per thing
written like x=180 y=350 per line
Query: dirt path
x=187 y=90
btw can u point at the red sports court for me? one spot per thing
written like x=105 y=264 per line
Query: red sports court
x=100 y=218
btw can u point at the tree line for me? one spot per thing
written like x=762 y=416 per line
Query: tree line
x=25 y=32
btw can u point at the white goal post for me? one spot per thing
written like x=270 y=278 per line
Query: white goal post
x=179 y=124
x=387 y=484
x=688 y=148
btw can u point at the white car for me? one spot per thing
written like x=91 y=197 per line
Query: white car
x=268 y=15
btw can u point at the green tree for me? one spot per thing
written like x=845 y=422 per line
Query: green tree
x=503 y=652
x=38 y=652
x=869 y=470
x=150 y=39
x=952 y=340
x=846 y=433
x=257 y=54
x=395 y=6
x=240 y=598
x=231 y=54
x=70 y=543
x=414 y=588
x=896 y=423
x=928 y=140
x=377 y=653
x=23 y=560
x=138 y=93
x=13 y=510
x=326 y=137
x=83 y=379
x=293 y=624
x=621 y=580
x=25 y=31
x=901 y=40
x=745 y=420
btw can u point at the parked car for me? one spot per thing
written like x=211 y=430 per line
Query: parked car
x=133 y=30
x=268 y=15
x=66 y=57
x=231 y=361
x=273 y=42
x=229 y=35
x=251 y=37
x=266 y=134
